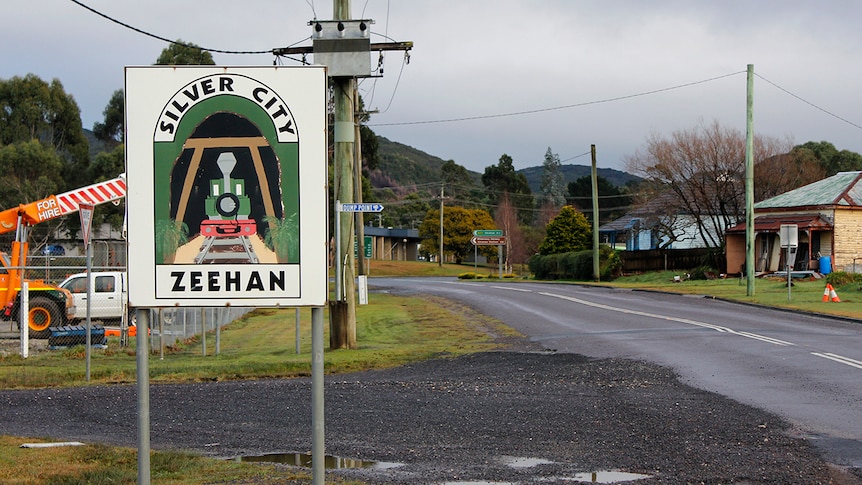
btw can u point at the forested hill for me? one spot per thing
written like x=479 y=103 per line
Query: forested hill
x=574 y=172
x=402 y=165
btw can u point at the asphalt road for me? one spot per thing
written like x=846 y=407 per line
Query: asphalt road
x=805 y=368
x=582 y=393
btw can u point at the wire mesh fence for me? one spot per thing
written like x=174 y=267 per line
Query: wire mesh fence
x=55 y=322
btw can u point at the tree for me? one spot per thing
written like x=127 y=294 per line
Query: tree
x=552 y=180
x=568 y=231
x=458 y=226
x=111 y=130
x=31 y=171
x=501 y=179
x=832 y=160
x=782 y=173
x=409 y=211
x=613 y=201
x=700 y=173
x=106 y=166
x=506 y=218
x=31 y=109
x=184 y=53
x=459 y=184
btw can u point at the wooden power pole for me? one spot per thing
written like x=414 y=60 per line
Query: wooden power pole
x=342 y=311
x=344 y=46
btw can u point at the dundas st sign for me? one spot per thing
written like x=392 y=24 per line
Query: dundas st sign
x=226 y=176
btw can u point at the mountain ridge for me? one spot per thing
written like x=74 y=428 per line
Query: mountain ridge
x=405 y=166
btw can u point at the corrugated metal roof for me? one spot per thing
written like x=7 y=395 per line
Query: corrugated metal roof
x=842 y=189
x=773 y=223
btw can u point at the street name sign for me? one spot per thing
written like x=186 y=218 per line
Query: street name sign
x=488 y=232
x=488 y=240
x=361 y=207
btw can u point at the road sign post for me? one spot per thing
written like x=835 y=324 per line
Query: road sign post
x=491 y=237
x=488 y=240
x=361 y=207
x=488 y=232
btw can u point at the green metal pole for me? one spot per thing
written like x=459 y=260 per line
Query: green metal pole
x=595 y=183
x=749 y=182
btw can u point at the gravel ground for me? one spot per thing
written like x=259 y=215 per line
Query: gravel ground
x=519 y=416
x=471 y=419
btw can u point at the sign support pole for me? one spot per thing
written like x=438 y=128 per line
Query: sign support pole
x=318 y=457
x=86 y=212
x=142 y=355
x=24 y=319
x=90 y=281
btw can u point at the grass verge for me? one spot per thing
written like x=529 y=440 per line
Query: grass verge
x=97 y=464
x=804 y=295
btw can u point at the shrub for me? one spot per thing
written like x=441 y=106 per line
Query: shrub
x=841 y=278
x=576 y=265
x=702 y=273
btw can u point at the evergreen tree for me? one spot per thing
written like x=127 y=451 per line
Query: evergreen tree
x=568 y=231
x=553 y=188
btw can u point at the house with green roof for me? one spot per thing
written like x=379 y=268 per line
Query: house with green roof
x=828 y=215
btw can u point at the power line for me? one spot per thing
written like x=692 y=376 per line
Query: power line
x=809 y=103
x=148 y=34
x=557 y=108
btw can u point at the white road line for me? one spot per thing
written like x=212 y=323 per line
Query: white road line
x=840 y=359
x=762 y=338
x=512 y=289
x=686 y=321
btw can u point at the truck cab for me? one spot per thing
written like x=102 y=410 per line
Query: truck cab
x=109 y=295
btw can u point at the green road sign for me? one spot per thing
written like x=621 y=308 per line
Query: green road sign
x=366 y=247
x=488 y=232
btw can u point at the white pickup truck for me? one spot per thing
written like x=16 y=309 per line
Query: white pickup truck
x=109 y=295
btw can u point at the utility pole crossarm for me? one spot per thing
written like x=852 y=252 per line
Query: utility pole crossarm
x=382 y=46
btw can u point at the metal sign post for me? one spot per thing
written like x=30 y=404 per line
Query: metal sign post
x=86 y=211
x=491 y=237
x=347 y=207
x=789 y=236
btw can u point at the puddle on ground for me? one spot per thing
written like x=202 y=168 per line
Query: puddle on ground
x=330 y=461
x=479 y=483
x=337 y=462
x=523 y=462
x=608 y=477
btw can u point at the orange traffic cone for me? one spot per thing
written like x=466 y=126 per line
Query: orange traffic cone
x=833 y=295
x=826 y=293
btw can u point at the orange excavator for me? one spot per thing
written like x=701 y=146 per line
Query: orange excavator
x=49 y=305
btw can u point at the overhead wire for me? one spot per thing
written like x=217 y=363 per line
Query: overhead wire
x=557 y=108
x=164 y=39
x=809 y=103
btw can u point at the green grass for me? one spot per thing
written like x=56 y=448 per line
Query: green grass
x=414 y=268
x=105 y=465
x=391 y=331
x=804 y=295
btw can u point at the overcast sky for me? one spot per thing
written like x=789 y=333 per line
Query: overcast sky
x=585 y=69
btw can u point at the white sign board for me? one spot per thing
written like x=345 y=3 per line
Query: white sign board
x=86 y=211
x=788 y=234
x=226 y=179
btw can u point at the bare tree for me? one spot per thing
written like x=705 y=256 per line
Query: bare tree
x=506 y=218
x=781 y=173
x=703 y=170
